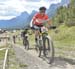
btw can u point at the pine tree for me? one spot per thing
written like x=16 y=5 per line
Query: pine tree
x=65 y=14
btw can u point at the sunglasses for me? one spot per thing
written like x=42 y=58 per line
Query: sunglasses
x=42 y=11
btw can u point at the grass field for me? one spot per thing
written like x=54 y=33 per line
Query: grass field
x=2 y=53
x=64 y=41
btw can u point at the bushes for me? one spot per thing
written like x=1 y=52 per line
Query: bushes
x=65 y=15
x=70 y=22
x=65 y=34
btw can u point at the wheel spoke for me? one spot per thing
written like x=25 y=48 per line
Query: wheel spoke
x=49 y=50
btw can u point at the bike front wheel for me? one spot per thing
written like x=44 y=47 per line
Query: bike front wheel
x=48 y=49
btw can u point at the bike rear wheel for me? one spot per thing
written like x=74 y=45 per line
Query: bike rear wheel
x=26 y=44
x=48 y=49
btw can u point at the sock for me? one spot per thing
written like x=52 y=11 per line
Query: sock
x=36 y=40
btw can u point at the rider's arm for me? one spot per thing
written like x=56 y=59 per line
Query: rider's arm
x=48 y=21
x=33 y=20
x=31 y=23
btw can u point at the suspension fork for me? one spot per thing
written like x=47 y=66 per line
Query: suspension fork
x=44 y=47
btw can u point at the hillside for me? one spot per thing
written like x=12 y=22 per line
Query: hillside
x=65 y=14
x=64 y=34
x=65 y=22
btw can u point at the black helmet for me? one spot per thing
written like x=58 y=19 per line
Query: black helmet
x=42 y=8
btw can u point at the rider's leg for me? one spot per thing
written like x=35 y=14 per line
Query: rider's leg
x=36 y=32
x=36 y=35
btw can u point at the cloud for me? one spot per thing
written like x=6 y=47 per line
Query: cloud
x=3 y=0
x=33 y=0
x=6 y=17
x=15 y=7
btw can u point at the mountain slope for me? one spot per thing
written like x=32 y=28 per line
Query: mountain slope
x=23 y=20
x=15 y=23
x=65 y=14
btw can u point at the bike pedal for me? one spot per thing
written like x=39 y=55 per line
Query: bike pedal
x=39 y=56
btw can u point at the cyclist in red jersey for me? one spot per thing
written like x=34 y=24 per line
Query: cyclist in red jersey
x=38 y=19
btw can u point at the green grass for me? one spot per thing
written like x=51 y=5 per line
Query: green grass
x=65 y=34
x=23 y=65
x=20 y=42
x=3 y=47
x=64 y=37
x=2 y=53
x=31 y=40
x=64 y=41
x=13 y=61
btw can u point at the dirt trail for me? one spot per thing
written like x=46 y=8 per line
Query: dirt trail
x=32 y=61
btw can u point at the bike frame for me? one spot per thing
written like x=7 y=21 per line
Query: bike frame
x=42 y=36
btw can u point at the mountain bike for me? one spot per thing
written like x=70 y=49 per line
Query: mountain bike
x=44 y=45
x=25 y=40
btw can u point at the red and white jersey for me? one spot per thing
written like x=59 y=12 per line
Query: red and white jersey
x=38 y=19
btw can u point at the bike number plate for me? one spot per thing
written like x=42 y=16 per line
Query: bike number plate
x=44 y=29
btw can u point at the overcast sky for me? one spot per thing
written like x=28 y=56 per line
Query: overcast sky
x=12 y=8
